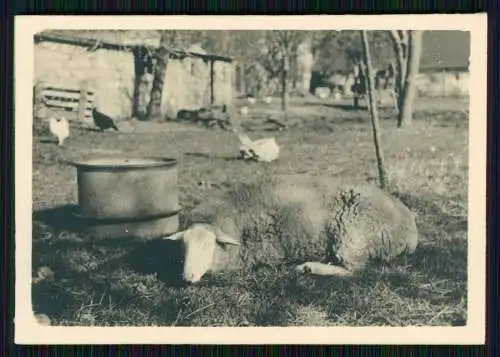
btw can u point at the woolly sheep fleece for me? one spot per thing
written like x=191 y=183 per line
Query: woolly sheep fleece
x=297 y=218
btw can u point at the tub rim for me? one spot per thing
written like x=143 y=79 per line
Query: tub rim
x=151 y=162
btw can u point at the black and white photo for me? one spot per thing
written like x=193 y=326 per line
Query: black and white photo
x=250 y=172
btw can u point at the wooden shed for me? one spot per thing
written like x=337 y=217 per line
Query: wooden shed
x=113 y=65
x=195 y=79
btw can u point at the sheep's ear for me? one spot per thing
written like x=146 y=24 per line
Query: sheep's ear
x=226 y=239
x=175 y=236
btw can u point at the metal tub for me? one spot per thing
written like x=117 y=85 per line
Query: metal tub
x=128 y=196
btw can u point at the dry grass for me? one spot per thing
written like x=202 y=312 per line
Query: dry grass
x=122 y=283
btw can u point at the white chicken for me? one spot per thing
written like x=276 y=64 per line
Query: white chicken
x=265 y=150
x=268 y=100
x=244 y=110
x=251 y=100
x=59 y=128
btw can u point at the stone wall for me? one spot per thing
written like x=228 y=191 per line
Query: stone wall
x=109 y=73
x=223 y=83
x=186 y=86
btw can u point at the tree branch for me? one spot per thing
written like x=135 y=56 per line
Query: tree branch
x=396 y=37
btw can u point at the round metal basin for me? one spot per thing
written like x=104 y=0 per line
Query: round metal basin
x=127 y=188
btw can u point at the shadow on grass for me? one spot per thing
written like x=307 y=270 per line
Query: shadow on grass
x=150 y=256
x=61 y=218
x=47 y=141
x=443 y=260
x=451 y=224
x=212 y=156
x=344 y=107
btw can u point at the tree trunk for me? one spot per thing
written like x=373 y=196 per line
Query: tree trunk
x=370 y=88
x=400 y=48
x=154 y=108
x=141 y=85
x=284 y=84
x=409 y=89
x=139 y=67
x=241 y=72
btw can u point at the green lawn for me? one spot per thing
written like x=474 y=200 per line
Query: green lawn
x=126 y=283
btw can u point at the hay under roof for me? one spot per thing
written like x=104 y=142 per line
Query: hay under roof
x=121 y=40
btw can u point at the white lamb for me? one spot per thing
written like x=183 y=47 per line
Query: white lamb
x=59 y=128
x=263 y=150
x=330 y=228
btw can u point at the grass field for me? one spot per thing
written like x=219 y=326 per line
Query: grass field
x=126 y=283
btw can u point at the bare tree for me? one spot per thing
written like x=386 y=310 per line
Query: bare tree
x=169 y=39
x=243 y=45
x=408 y=48
x=285 y=43
x=369 y=79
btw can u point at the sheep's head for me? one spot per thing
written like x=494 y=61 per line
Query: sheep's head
x=199 y=243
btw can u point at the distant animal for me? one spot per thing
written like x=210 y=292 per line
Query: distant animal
x=337 y=95
x=251 y=100
x=102 y=121
x=322 y=92
x=216 y=115
x=268 y=100
x=244 y=110
x=188 y=115
x=59 y=128
x=320 y=224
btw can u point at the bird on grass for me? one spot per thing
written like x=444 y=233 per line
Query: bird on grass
x=59 y=127
x=102 y=121
x=244 y=110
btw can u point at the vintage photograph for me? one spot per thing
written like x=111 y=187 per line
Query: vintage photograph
x=250 y=178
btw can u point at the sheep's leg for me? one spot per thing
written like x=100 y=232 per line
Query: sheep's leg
x=317 y=268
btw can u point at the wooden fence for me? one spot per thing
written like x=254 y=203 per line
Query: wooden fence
x=80 y=100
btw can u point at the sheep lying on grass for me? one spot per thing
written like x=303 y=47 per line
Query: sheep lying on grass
x=334 y=228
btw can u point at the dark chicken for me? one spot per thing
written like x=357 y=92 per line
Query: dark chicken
x=102 y=121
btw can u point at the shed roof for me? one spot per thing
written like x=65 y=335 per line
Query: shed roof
x=121 y=40
x=445 y=50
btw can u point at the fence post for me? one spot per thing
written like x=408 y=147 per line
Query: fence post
x=39 y=105
x=83 y=100
x=212 y=84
